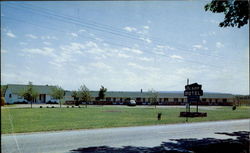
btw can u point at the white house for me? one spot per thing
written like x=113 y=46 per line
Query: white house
x=12 y=93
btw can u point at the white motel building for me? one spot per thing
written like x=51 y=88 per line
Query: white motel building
x=117 y=97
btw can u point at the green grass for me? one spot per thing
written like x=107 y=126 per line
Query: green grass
x=18 y=120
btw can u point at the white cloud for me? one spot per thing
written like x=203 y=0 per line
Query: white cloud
x=130 y=29
x=44 y=51
x=146 y=27
x=136 y=51
x=82 y=30
x=101 y=65
x=219 y=45
x=23 y=43
x=145 y=59
x=10 y=34
x=74 y=34
x=31 y=36
x=176 y=57
x=165 y=47
x=135 y=65
x=49 y=37
x=195 y=47
x=122 y=55
x=146 y=40
x=46 y=43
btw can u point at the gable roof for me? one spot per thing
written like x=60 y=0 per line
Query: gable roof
x=41 y=89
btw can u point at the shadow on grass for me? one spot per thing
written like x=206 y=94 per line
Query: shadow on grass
x=205 y=145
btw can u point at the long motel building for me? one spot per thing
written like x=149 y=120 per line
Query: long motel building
x=118 y=97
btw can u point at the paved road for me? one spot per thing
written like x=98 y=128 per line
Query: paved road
x=149 y=136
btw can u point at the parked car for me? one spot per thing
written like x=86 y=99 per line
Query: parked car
x=21 y=101
x=132 y=103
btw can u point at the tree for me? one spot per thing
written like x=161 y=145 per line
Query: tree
x=236 y=11
x=75 y=96
x=58 y=93
x=153 y=96
x=101 y=94
x=29 y=93
x=84 y=94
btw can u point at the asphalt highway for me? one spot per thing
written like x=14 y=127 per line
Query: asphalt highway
x=147 y=136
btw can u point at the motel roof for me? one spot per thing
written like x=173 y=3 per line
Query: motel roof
x=133 y=94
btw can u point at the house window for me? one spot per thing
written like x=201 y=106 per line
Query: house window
x=9 y=95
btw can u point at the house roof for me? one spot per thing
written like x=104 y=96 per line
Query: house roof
x=41 y=89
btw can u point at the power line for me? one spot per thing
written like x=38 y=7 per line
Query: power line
x=145 y=52
x=82 y=23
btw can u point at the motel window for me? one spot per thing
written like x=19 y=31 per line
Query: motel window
x=165 y=99
x=144 y=100
x=224 y=100
x=108 y=99
x=182 y=100
x=175 y=99
x=121 y=99
x=9 y=95
x=114 y=99
x=160 y=100
x=210 y=100
x=216 y=100
x=204 y=99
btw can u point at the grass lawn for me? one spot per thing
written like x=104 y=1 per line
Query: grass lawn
x=17 y=120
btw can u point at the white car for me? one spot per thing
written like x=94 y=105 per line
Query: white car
x=132 y=103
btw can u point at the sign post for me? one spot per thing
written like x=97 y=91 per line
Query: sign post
x=193 y=93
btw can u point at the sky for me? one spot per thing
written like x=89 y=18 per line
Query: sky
x=122 y=45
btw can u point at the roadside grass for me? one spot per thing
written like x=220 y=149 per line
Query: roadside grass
x=20 y=120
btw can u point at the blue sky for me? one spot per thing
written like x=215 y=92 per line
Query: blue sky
x=122 y=45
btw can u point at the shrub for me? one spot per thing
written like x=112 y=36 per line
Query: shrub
x=47 y=106
x=72 y=106
x=52 y=107
x=41 y=106
x=79 y=106
x=67 y=106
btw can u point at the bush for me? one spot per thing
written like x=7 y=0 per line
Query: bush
x=2 y=101
x=47 y=106
x=67 y=106
x=41 y=106
x=79 y=106
x=52 y=107
x=72 y=106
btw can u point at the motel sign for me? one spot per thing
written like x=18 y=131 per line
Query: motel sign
x=193 y=90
